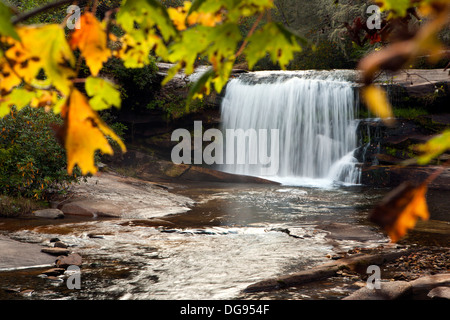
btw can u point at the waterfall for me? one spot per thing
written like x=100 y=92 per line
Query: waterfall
x=314 y=113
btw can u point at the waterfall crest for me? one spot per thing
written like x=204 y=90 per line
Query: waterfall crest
x=315 y=117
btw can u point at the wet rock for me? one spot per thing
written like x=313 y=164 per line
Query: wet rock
x=73 y=259
x=440 y=293
x=116 y=196
x=27 y=292
x=49 y=214
x=15 y=254
x=344 y=231
x=54 y=272
x=56 y=251
x=60 y=244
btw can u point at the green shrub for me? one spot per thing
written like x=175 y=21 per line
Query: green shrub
x=32 y=162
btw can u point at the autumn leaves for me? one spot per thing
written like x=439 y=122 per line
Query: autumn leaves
x=402 y=207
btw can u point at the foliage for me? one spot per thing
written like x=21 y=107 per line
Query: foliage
x=40 y=65
x=400 y=209
x=33 y=163
x=404 y=205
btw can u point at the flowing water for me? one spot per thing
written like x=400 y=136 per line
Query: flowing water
x=240 y=234
x=314 y=115
x=234 y=235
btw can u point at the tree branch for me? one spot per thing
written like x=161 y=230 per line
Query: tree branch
x=244 y=44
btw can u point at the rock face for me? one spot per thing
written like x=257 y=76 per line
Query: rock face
x=440 y=293
x=73 y=259
x=15 y=254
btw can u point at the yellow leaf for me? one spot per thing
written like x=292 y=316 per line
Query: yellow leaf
x=378 y=103
x=92 y=41
x=178 y=15
x=400 y=209
x=206 y=19
x=85 y=134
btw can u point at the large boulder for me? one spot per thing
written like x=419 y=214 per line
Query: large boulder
x=91 y=208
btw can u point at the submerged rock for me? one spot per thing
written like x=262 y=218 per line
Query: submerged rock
x=56 y=251
x=73 y=259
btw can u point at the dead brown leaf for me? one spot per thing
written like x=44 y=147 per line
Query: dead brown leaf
x=399 y=210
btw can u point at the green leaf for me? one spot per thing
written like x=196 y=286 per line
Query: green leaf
x=147 y=14
x=6 y=27
x=275 y=40
x=19 y=98
x=195 y=5
x=103 y=93
x=185 y=51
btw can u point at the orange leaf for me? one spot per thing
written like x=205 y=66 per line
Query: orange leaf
x=400 y=209
x=377 y=101
x=91 y=39
x=85 y=133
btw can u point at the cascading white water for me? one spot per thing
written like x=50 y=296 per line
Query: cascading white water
x=314 y=113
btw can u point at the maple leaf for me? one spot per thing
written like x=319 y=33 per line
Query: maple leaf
x=400 y=209
x=92 y=41
x=6 y=27
x=85 y=133
x=41 y=48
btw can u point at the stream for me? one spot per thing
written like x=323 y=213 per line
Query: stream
x=234 y=236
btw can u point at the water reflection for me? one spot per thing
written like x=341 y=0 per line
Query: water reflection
x=233 y=237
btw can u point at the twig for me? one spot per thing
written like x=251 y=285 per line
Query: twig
x=29 y=14
x=252 y=30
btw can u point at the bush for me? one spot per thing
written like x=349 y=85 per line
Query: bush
x=32 y=162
